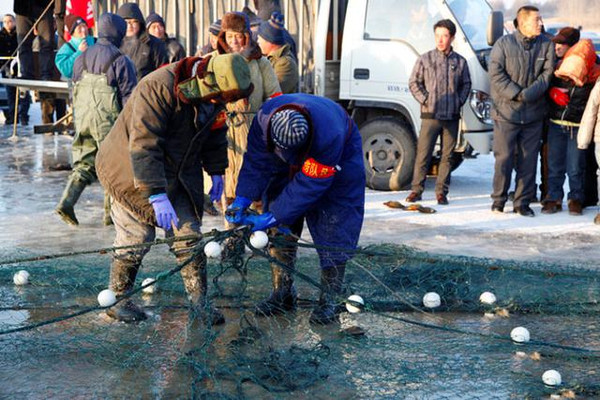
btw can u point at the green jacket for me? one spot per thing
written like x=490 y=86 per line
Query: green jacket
x=160 y=144
x=286 y=69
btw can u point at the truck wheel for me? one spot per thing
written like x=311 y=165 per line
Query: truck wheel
x=389 y=151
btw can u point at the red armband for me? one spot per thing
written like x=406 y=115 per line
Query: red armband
x=220 y=121
x=314 y=169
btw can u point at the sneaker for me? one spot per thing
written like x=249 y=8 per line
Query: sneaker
x=413 y=197
x=551 y=207
x=497 y=207
x=575 y=207
x=524 y=211
x=442 y=199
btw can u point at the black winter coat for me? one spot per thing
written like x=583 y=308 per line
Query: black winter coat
x=175 y=50
x=520 y=72
x=578 y=98
x=147 y=53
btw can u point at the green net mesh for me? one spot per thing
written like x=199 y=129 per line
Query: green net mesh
x=55 y=341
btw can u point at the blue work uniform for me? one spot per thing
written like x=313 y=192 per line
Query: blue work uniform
x=323 y=181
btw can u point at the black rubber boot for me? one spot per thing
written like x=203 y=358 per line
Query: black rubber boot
x=283 y=296
x=209 y=207
x=69 y=197
x=122 y=278
x=328 y=308
x=107 y=218
x=194 y=280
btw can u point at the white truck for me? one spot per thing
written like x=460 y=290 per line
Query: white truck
x=369 y=73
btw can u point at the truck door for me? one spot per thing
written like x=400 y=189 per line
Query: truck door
x=383 y=54
x=328 y=45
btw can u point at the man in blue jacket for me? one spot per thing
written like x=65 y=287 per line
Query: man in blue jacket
x=304 y=160
x=104 y=78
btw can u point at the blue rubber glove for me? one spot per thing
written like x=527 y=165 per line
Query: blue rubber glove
x=235 y=212
x=260 y=222
x=216 y=191
x=164 y=211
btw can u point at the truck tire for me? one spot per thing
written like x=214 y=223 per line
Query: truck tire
x=389 y=150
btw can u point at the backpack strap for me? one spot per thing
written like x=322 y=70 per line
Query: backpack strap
x=106 y=66
x=111 y=61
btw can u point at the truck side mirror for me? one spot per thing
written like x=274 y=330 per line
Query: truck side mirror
x=495 y=27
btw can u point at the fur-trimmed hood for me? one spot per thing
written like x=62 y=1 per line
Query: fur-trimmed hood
x=224 y=78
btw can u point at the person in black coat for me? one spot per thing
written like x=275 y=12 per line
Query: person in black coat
x=147 y=52
x=8 y=45
x=155 y=25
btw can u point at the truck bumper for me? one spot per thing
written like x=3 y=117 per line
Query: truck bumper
x=481 y=141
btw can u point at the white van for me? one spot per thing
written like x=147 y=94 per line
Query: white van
x=380 y=42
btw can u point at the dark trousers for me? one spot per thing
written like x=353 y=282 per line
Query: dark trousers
x=565 y=158
x=11 y=94
x=430 y=130
x=24 y=103
x=590 y=182
x=46 y=37
x=525 y=140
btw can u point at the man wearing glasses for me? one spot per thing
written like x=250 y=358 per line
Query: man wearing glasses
x=147 y=52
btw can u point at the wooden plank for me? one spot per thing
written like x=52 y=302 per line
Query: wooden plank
x=42 y=86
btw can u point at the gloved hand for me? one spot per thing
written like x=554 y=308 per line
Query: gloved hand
x=216 y=191
x=164 y=211
x=235 y=212
x=260 y=222
x=559 y=97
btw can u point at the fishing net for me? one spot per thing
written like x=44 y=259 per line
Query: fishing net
x=56 y=342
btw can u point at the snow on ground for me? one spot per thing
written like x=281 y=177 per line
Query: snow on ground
x=29 y=191
x=468 y=227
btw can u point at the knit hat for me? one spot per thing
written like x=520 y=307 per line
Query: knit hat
x=215 y=27
x=289 y=129
x=567 y=35
x=272 y=30
x=152 y=18
x=72 y=20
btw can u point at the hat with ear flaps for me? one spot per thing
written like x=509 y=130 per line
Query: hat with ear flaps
x=224 y=78
x=234 y=22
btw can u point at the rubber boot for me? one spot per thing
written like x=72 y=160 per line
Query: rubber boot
x=327 y=309
x=69 y=197
x=209 y=207
x=107 y=218
x=194 y=280
x=283 y=296
x=122 y=278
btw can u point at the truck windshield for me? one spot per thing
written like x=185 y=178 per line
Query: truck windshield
x=472 y=15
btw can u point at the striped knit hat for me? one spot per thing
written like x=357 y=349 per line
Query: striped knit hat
x=289 y=129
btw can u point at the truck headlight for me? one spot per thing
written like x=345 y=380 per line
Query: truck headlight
x=481 y=104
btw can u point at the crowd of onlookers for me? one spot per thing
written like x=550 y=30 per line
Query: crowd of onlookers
x=541 y=87
x=544 y=105
x=128 y=47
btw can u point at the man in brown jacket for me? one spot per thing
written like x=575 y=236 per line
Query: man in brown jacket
x=150 y=163
x=273 y=46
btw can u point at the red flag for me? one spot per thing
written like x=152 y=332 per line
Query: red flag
x=81 y=8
